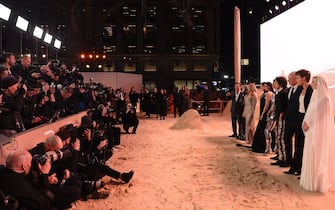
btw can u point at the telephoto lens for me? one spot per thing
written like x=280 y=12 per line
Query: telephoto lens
x=94 y=185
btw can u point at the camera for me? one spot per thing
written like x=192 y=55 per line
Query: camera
x=52 y=155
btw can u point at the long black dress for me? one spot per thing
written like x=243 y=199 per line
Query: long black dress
x=259 y=142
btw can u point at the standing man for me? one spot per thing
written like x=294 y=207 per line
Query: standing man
x=280 y=113
x=175 y=101
x=237 y=107
x=206 y=101
x=8 y=60
x=12 y=99
x=22 y=70
x=302 y=76
x=291 y=124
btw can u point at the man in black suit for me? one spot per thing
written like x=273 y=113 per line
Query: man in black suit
x=237 y=107
x=303 y=76
x=291 y=124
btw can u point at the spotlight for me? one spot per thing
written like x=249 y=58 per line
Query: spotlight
x=57 y=43
x=270 y=11
x=38 y=32
x=47 y=38
x=276 y=7
x=99 y=66
x=82 y=56
x=250 y=12
x=88 y=66
x=90 y=56
x=97 y=56
x=22 y=23
x=4 y=12
x=283 y=3
x=44 y=55
x=104 y=56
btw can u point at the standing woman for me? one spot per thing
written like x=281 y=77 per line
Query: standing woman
x=318 y=172
x=250 y=101
x=259 y=142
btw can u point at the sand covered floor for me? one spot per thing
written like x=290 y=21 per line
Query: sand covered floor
x=197 y=169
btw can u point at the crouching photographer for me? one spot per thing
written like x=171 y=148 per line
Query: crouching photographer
x=64 y=184
x=130 y=119
x=19 y=192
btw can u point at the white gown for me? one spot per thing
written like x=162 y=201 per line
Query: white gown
x=318 y=163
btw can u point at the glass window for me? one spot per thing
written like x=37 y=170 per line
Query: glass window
x=179 y=65
x=149 y=66
x=200 y=65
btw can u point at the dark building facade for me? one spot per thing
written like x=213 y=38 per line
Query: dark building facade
x=168 y=42
x=165 y=42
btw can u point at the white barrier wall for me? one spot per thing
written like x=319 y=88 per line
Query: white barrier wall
x=115 y=79
x=30 y=138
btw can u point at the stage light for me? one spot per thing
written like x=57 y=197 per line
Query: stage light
x=47 y=38
x=82 y=56
x=270 y=11
x=97 y=56
x=90 y=56
x=276 y=7
x=44 y=55
x=87 y=66
x=99 y=66
x=283 y=3
x=38 y=32
x=22 y=23
x=57 y=43
x=267 y=0
x=250 y=12
x=4 y=12
x=104 y=56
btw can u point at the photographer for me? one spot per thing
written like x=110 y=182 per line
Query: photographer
x=13 y=181
x=64 y=184
x=12 y=100
x=130 y=119
x=93 y=164
x=106 y=117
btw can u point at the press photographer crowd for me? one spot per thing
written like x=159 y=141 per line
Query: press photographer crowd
x=69 y=165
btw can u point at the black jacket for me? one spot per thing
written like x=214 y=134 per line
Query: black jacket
x=22 y=190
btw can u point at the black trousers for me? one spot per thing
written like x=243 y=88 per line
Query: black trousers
x=206 y=108
x=67 y=193
x=236 y=118
x=290 y=130
x=133 y=124
x=298 y=146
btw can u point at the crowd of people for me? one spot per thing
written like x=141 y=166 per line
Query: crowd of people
x=70 y=164
x=303 y=113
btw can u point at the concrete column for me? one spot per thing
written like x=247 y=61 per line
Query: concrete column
x=237 y=45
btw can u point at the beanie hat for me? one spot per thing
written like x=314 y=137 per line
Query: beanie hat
x=2 y=68
x=7 y=82
x=86 y=122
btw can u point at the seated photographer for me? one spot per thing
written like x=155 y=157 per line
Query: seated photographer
x=94 y=152
x=130 y=119
x=105 y=115
x=13 y=182
x=65 y=185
